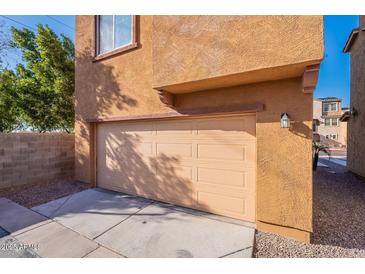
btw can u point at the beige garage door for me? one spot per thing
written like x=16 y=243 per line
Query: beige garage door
x=204 y=163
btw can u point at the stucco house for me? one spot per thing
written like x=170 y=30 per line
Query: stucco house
x=327 y=127
x=355 y=117
x=192 y=110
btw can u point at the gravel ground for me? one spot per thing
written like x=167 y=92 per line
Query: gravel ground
x=338 y=219
x=39 y=193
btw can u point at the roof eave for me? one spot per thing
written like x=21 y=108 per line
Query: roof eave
x=345 y=117
x=351 y=40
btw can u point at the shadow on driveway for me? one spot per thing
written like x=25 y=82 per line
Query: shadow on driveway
x=95 y=221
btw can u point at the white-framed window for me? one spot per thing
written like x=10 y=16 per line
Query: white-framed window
x=326 y=107
x=334 y=122
x=330 y=107
x=115 y=33
x=331 y=122
x=327 y=122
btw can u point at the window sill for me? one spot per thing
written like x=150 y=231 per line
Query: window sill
x=114 y=52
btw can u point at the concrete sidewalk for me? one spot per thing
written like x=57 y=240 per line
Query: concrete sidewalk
x=99 y=223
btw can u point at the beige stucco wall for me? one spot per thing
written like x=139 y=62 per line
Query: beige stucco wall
x=284 y=176
x=123 y=85
x=317 y=109
x=221 y=46
x=322 y=130
x=343 y=133
x=356 y=125
x=340 y=130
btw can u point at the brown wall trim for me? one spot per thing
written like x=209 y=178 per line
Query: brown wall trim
x=117 y=51
x=93 y=154
x=231 y=109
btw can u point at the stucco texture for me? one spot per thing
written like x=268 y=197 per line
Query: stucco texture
x=356 y=125
x=191 y=49
x=123 y=85
x=284 y=176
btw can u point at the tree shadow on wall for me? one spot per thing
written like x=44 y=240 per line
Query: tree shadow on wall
x=98 y=94
x=98 y=91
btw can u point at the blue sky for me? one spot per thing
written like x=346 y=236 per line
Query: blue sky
x=334 y=77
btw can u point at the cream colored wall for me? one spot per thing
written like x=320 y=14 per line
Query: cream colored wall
x=327 y=130
x=123 y=85
x=317 y=109
x=356 y=125
x=323 y=130
x=343 y=133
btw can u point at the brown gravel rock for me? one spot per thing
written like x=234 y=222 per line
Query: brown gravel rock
x=273 y=246
x=338 y=219
x=39 y=193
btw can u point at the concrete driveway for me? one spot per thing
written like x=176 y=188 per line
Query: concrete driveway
x=100 y=223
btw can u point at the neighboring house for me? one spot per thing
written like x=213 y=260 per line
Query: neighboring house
x=327 y=127
x=187 y=110
x=355 y=117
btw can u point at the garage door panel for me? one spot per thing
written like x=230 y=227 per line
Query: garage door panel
x=184 y=173
x=221 y=151
x=177 y=150
x=145 y=148
x=215 y=202
x=180 y=128
x=233 y=191
x=221 y=177
x=205 y=163
x=224 y=164
x=175 y=185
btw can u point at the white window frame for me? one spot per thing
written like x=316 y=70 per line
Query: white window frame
x=324 y=107
x=330 y=124
x=126 y=47
x=336 y=106
x=330 y=105
x=337 y=123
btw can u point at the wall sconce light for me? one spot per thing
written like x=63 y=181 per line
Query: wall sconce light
x=284 y=120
